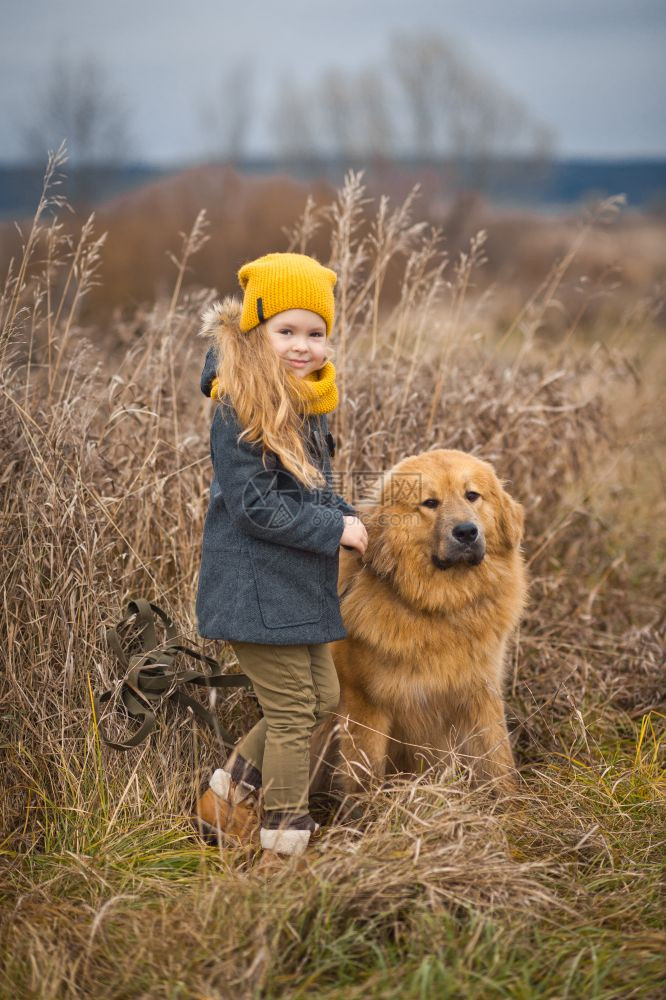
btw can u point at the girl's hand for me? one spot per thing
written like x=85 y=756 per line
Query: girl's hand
x=355 y=535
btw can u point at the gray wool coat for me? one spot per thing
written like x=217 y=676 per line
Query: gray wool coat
x=270 y=548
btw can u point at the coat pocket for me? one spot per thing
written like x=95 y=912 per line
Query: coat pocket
x=288 y=582
x=217 y=589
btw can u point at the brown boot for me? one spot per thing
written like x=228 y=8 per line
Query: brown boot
x=221 y=819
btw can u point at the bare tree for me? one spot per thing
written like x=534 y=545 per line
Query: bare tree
x=293 y=122
x=377 y=123
x=355 y=111
x=333 y=102
x=227 y=117
x=455 y=112
x=454 y=109
x=426 y=100
x=341 y=114
x=77 y=101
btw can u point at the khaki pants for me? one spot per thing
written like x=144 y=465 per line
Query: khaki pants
x=297 y=687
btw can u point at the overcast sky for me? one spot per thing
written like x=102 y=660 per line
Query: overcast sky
x=590 y=70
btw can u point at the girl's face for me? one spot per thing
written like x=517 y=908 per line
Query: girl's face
x=299 y=337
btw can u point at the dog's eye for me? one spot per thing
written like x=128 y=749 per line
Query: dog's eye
x=430 y=502
x=472 y=495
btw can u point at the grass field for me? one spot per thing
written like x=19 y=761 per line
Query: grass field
x=438 y=891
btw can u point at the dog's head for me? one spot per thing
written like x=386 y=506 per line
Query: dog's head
x=442 y=513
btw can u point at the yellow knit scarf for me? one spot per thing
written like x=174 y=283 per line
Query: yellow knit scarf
x=323 y=390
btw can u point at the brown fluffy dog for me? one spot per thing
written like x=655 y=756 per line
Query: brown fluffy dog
x=429 y=609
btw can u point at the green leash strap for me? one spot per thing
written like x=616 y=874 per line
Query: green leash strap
x=151 y=674
x=139 y=613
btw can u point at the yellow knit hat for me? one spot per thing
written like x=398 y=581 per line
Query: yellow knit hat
x=280 y=281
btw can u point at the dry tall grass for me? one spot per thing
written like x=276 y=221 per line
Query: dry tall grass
x=438 y=891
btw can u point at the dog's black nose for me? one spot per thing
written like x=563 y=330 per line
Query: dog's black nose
x=465 y=532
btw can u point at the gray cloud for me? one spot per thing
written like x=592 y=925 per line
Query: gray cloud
x=592 y=71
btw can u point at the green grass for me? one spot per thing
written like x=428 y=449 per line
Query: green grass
x=567 y=903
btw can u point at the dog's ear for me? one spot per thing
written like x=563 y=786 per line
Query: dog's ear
x=510 y=520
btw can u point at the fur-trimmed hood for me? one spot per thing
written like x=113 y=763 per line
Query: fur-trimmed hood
x=221 y=318
x=218 y=321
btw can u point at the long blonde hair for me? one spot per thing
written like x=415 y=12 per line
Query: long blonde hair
x=269 y=400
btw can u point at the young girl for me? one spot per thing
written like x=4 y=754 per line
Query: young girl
x=269 y=559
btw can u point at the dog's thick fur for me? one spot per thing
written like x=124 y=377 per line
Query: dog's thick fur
x=429 y=609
